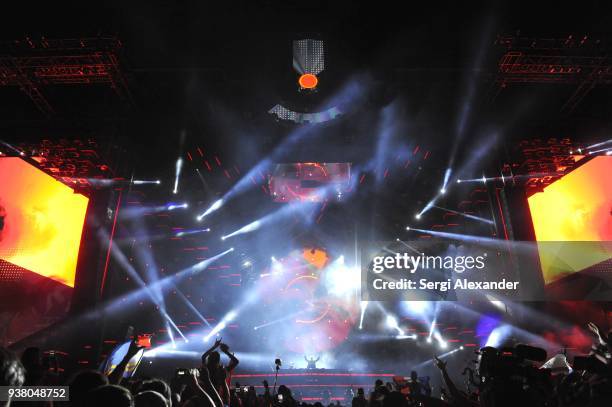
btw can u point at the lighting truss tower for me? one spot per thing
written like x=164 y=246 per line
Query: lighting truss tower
x=579 y=61
x=33 y=64
x=308 y=56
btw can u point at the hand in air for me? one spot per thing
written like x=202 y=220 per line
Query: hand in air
x=439 y=364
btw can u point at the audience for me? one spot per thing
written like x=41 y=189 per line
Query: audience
x=496 y=382
x=12 y=372
x=151 y=398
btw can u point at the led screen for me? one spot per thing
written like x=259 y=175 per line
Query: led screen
x=41 y=221
x=575 y=209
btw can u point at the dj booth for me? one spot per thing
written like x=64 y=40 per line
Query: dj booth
x=314 y=384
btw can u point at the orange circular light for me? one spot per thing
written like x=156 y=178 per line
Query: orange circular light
x=308 y=81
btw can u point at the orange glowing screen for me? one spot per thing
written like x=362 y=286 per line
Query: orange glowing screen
x=308 y=81
x=575 y=208
x=41 y=221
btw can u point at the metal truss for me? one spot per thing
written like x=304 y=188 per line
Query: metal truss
x=578 y=61
x=31 y=65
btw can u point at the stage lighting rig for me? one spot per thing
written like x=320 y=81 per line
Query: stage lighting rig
x=308 y=61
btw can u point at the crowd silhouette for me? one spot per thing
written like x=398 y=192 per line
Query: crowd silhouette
x=503 y=377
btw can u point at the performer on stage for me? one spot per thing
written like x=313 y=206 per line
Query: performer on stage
x=312 y=362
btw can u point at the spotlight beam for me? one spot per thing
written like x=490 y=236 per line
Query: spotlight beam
x=134 y=212
x=286 y=210
x=442 y=356
x=414 y=250
x=363 y=306
x=472 y=238
x=166 y=282
x=466 y=215
x=599 y=144
x=179 y=166
x=603 y=150
x=347 y=95
x=276 y=321
x=215 y=206
x=191 y=306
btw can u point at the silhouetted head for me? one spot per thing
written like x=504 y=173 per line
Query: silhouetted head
x=414 y=376
x=213 y=359
x=82 y=383
x=285 y=391
x=109 y=395
x=150 y=398
x=158 y=386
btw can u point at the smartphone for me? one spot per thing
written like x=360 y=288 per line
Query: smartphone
x=181 y=372
x=144 y=341
x=246 y=389
x=280 y=398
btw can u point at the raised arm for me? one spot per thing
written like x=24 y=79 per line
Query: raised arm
x=452 y=389
x=233 y=359
x=117 y=374
x=211 y=349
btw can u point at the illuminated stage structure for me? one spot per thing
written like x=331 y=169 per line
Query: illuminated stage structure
x=51 y=262
x=295 y=301
x=285 y=283
x=41 y=217
x=576 y=60
x=561 y=201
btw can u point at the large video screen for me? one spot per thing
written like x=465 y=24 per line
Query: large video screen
x=572 y=221
x=41 y=222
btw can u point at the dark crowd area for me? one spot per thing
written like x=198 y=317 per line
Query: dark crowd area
x=503 y=377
